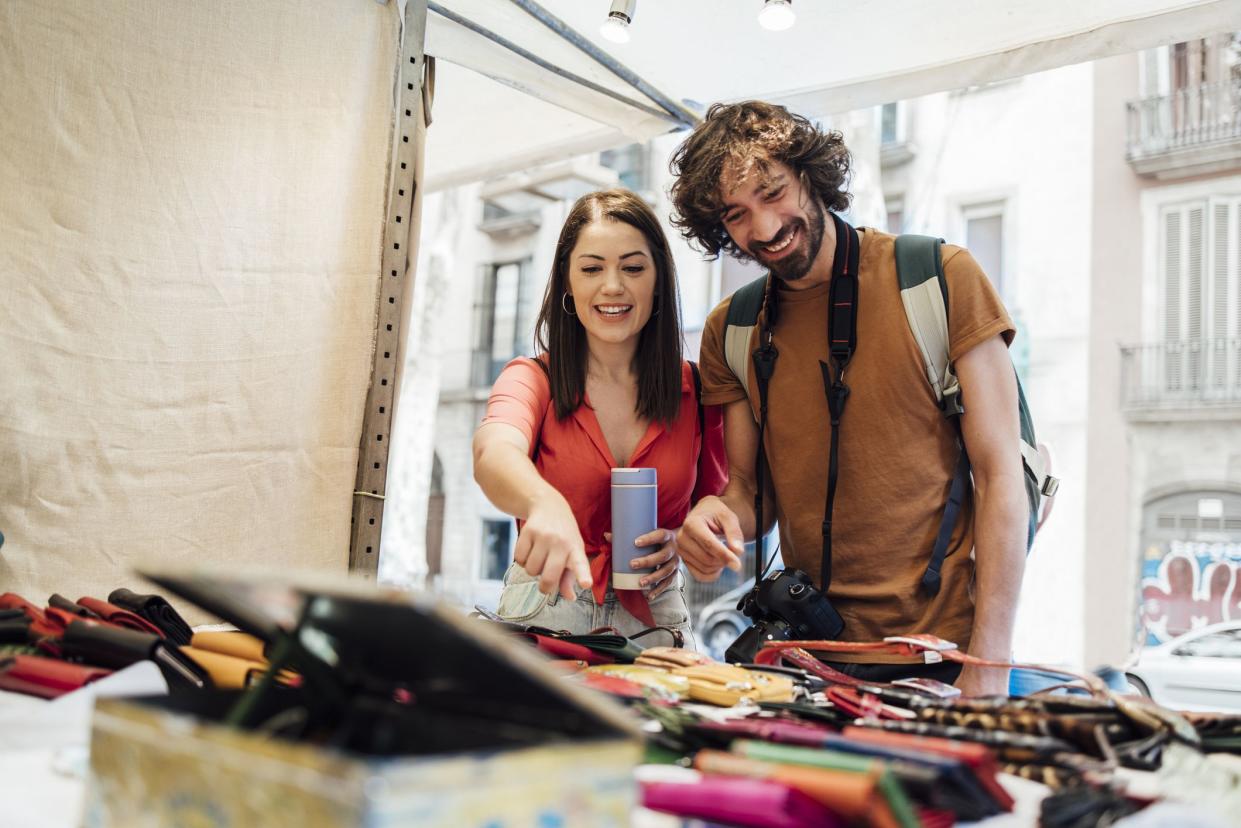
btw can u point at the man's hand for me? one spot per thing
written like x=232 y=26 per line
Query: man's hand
x=550 y=548
x=698 y=540
x=982 y=681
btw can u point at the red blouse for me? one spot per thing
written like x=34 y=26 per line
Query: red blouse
x=574 y=457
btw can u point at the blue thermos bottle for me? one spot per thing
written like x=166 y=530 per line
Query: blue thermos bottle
x=635 y=512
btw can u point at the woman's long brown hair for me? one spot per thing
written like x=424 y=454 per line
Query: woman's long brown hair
x=657 y=360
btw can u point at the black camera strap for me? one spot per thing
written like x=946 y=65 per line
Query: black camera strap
x=842 y=341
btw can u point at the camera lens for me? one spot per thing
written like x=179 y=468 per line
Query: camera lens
x=796 y=590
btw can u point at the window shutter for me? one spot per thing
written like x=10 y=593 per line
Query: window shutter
x=1194 y=294
x=1219 y=303
x=1171 y=261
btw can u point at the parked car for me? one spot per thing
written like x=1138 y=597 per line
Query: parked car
x=1200 y=670
x=720 y=622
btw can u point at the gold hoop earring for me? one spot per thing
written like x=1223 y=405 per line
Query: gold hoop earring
x=565 y=306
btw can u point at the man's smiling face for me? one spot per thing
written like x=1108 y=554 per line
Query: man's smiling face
x=770 y=216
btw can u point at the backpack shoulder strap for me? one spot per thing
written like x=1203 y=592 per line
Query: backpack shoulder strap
x=743 y=310
x=924 y=293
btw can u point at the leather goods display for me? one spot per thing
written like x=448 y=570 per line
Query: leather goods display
x=662 y=683
x=45 y=677
x=13 y=601
x=753 y=803
x=14 y=631
x=236 y=644
x=558 y=648
x=226 y=672
x=979 y=759
x=858 y=797
x=116 y=647
x=670 y=658
x=156 y=610
x=60 y=602
x=118 y=616
x=726 y=685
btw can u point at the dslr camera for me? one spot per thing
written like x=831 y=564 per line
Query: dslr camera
x=784 y=606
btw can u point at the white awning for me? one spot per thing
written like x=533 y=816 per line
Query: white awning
x=837 y=57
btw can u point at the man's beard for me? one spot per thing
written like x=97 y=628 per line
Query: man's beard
x=797 y=264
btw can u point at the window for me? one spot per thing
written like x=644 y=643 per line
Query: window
x=1200 y=293
x=889 y=124
x=630 y=163
x=984 y=236
x=895 y=206
x=1223 y=644
x=497 y=548
x=504 y=314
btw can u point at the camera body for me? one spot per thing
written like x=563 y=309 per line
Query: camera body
x=784 y=606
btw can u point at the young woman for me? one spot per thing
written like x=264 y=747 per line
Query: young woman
x=609 y=389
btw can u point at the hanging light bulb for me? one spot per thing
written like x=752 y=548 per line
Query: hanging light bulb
x=776 y=15
x=616 y=27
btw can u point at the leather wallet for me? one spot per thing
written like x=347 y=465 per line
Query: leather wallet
x=617 y=648
x=558 y=648
x=660 y=682
x=237 y=644
x=47 y=678
x=227 y=672
x=726 y=685
x=753 y=803
x=855 y=796
x=980 y=759
x=60 y=602
x=116 y=647
x=670 y=658
x=155 y=609
x=118 y=616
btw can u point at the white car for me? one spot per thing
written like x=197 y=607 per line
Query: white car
x=1200 y=670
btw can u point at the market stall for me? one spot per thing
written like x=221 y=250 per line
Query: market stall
x=207 y=240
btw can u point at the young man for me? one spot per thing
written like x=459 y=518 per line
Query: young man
x=757 y=182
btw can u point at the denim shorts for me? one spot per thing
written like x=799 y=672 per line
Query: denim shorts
x=521 y=601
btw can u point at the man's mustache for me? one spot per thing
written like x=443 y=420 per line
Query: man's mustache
x=756 y=249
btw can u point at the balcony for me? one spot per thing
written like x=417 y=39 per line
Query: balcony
x=1196 y=378
x=1193 y=131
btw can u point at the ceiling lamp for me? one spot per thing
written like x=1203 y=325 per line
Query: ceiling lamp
x=616 y=27
x=776 y=15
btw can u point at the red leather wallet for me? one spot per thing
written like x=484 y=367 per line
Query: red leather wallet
x=45 y=677
x=558 y=649
x=120 y=617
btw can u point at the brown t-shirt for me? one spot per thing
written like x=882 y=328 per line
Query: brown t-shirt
x=897 y=451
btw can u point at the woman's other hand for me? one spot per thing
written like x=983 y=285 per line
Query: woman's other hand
x=665 y=559
x=550 y=548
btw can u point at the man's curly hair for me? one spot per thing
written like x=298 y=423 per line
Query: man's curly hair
x=740 y=138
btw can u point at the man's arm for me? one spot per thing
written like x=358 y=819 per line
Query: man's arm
x=732 y=513
x=991 y=429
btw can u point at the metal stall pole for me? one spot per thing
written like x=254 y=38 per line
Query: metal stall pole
x=417 y=80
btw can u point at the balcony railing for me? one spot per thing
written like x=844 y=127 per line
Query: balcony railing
x=1189 y=373
x=1187 y=118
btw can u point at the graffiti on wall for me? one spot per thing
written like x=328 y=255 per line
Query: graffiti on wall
x=1188 y=584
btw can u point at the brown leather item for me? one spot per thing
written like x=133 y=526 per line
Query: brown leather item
x=855 y=796
x=227 y=672
x=931 y=647
x=670 y=658
x=725 y=685
x=236 y=644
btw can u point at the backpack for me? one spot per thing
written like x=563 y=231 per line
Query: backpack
x=924 y=293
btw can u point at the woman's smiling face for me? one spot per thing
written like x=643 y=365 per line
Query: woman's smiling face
x=612 y=281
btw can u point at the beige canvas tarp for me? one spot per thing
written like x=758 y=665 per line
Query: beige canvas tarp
x=192 y=200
